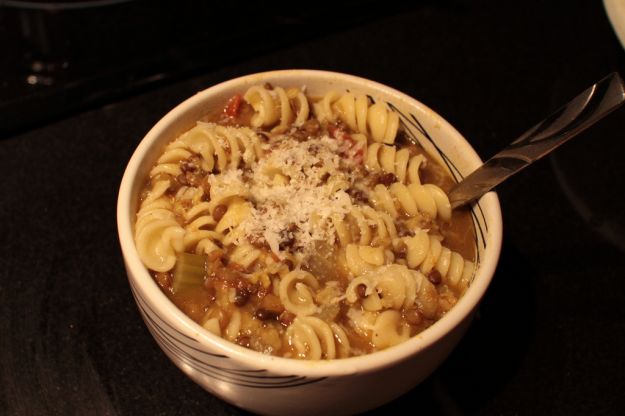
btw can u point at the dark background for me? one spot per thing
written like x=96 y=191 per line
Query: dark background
x=80 y=87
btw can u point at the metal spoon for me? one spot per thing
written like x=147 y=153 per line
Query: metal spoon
x=574 y=117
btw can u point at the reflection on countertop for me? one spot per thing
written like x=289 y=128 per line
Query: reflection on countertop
x=61 y=57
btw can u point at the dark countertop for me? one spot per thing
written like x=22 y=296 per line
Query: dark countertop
x=549 y=337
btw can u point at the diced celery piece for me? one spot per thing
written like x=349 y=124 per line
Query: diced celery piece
x=189 y=272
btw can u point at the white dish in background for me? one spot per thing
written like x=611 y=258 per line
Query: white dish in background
x=615 y=10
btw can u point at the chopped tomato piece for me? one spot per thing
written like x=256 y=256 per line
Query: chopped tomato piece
x=233 y=106
x=348 y=147
x=333 y=130
x=338 y=133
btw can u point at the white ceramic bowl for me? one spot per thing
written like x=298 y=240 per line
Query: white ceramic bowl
x=273 y=385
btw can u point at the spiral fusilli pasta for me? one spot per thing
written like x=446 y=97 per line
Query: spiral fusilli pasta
x=297 y=292
x=393 y=286
x=389 y=329
x=220 y=147
x=360 y=259
x=375 y=120
x=364 y=225
x=414 y=199
x=427 y=253
x=314 y=339
x=387 y=159
x=157 y=233
x=277 y=106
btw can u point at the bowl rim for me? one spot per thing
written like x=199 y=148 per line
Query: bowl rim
x=141 y=280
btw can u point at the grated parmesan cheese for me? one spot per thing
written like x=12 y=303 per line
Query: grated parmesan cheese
x=295 y=190
x=227 y=182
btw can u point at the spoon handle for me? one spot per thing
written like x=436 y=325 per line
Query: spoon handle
x=571 y=119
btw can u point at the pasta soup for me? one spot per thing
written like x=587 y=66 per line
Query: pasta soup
x=304 y=227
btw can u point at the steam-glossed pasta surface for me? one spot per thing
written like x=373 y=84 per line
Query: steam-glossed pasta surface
x=304 y=227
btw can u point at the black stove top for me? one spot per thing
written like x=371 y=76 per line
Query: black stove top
x=63 y=57
x=549 y=337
